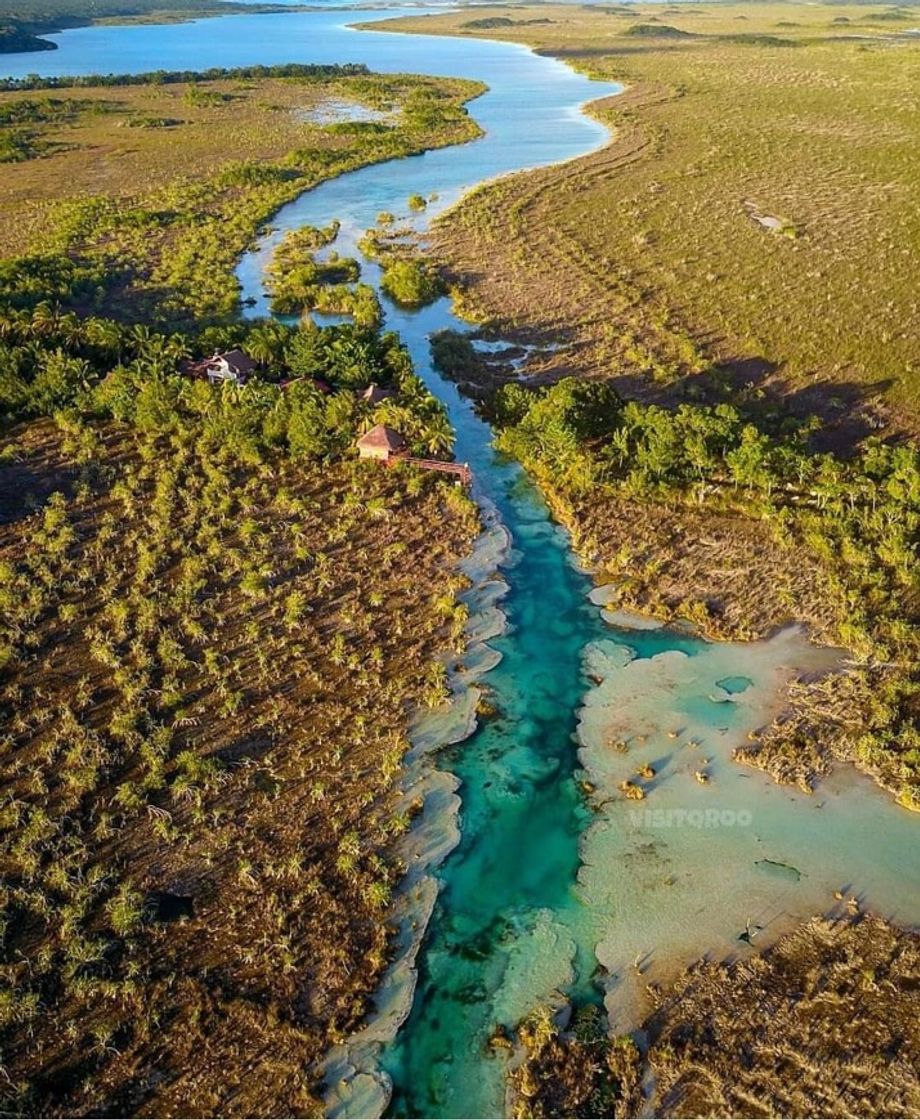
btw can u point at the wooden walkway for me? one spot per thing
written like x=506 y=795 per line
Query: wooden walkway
x=461 y=470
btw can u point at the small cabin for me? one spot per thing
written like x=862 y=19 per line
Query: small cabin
x=373 y=394
x=381 y=443
x=233 y=366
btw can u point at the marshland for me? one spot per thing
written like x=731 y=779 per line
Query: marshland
x=223 y=629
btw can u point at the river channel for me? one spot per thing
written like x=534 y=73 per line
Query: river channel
x=547 y=895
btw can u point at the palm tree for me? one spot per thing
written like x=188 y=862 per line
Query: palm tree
x=439 y=435
x=44 y=318
x=140 y=335
x=105 y=335
x=262 y=345
x=70 y=329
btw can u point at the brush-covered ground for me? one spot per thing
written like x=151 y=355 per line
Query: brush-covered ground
x=215 y=622
x=827 y=1023
x=748 y=242
x=152 y=187
x=214 y=629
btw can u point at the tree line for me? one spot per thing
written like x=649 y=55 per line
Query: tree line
x=305 y=400
x=303 y=71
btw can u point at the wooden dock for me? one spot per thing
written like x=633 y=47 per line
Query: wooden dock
x=460 y=470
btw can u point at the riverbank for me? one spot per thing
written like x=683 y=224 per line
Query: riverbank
x=210 y=720
x=834 y=1001
x=351 y=1074
x=729 y=111
x=23 y=24
x=138 y=183
x=655 y=500
x=526 y=255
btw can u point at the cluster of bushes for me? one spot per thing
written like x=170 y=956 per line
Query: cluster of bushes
x=18 y=145
x=46 y=110
x=410 y=282
x=18 y=141
x=306 y=401
x=859 y=517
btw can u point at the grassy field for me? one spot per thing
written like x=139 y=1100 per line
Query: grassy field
x=648 y=257
x=157 y=188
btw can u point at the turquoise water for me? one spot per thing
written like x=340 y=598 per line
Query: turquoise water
x=546 y=894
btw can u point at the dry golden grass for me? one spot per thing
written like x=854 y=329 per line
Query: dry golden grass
x=646 y=255
x=207 y=673
x=825 y=1023
x=100 y=153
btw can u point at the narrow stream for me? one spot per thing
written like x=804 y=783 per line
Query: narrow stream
x=544 y=894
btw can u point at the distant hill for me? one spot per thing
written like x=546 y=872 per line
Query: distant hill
x=488 y=23
x=23 y=21
x=657 y=31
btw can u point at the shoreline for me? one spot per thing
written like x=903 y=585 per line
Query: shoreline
x=424 y=903
x=355 y=1085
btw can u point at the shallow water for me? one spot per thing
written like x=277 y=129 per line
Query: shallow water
x=544 y=894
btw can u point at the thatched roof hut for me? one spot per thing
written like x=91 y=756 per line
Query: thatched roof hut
x=381 y=442
x=373 y=394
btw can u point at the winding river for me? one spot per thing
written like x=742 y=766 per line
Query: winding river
x=546 y=895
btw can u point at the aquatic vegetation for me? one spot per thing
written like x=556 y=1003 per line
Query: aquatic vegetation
x=577 y=1072
x=295 y=278
x=161 y=242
